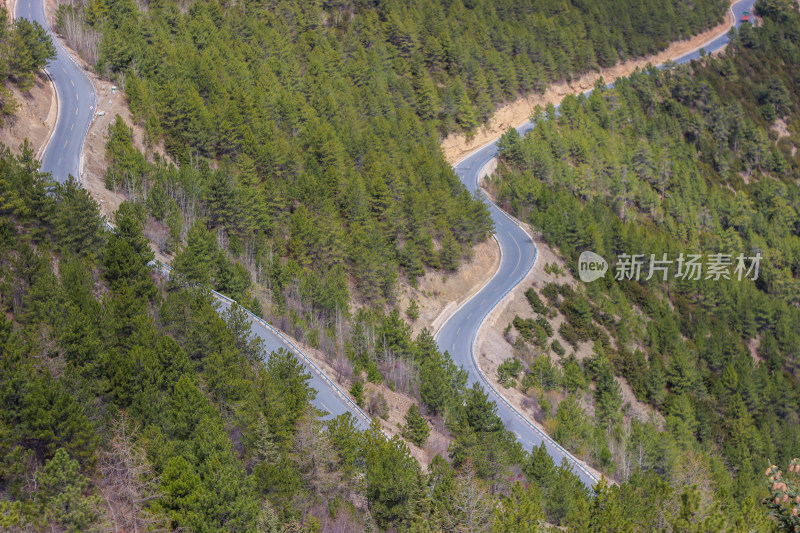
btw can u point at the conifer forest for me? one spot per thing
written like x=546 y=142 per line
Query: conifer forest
x=287 y=154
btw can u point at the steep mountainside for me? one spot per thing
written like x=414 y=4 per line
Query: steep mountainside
x=700 y=159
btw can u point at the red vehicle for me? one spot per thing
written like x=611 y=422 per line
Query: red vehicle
x=746 y=16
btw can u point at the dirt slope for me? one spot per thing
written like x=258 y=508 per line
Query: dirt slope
x=514 y=114
x=492 y=347
x=36 y=116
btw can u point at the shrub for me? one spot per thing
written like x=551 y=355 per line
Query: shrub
x=378 y=406
x=545 y=374
x=545 y=325
x=508 y=371
x=550 y=292
x=413 y=310
x=373 y=373
x=536 y=303
x=569 y=334
x=558 y=349
x=357 y=392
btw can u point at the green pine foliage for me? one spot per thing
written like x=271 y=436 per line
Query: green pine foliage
x=309 y=131
x=413 y=311
x=536 y=303
x=25 y=48
x=508 y=371
x=416 y=427
x=357 y=392
x=521 y=511
x=121 y=390
x=314 y=162
x=700 y=158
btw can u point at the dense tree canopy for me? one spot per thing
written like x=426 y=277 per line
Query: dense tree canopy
x=308 y=131
x=698 y=159
x=304 y=138
x=128 y=402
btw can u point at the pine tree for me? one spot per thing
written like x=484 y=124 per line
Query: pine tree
x=465 y=113
x=184 y=496
x=510 y=146
x=427 y=100
x=33 y=50
x=412 y=312
x=574 y=378
x=656 y=383
x=393 y=479
x=416 y=427
x=450 y=253
x=357 y=392
x=608 y=398
x=61 y=498
x=481 y=414
x=607 y=512
x=76 y=222
x=194 y=262
x=572 y=429
x=128 y=253
x=521 y=511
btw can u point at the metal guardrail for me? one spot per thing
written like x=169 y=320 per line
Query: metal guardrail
x=167 y=270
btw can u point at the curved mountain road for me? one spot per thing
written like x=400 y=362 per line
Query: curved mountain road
x=62 y=158
x=76 y=103
x=519 y=253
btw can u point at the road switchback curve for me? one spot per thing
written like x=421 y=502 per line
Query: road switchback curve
x=518 y=255
x=62 y=158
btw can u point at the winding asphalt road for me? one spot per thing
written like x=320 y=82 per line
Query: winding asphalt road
x=457 y=335
x=62 y=155
x=76 y=101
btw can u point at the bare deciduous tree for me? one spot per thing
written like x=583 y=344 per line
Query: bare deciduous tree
x=470 y=507
x=129 y=481
x=79 y=36
x=315 y=456
x=343 y=368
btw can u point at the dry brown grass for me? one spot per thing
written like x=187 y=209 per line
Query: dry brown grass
x=34 y=119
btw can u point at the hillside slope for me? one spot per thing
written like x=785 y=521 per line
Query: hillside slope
x=699 y=159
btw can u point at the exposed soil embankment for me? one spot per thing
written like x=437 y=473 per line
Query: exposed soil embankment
x=109 y=105
x=516 y=113
x=35 y=117
x=492 y=347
